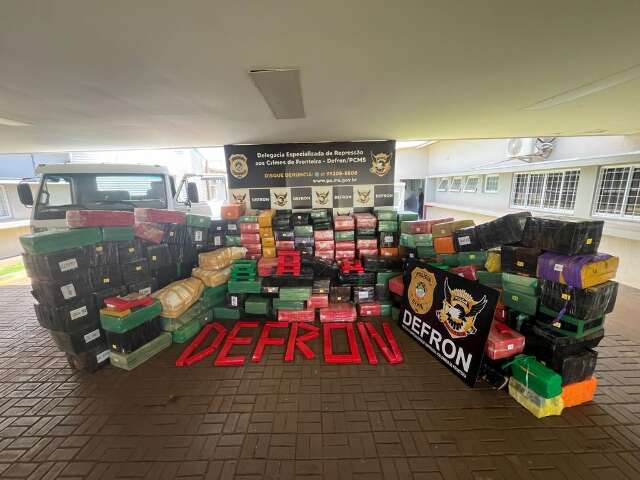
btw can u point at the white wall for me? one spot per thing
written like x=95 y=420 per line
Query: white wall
x=411 y=163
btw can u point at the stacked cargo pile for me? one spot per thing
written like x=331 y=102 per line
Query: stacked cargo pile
x=267 y=239
x=344 y=235
x=231 y=213
x=250 y=235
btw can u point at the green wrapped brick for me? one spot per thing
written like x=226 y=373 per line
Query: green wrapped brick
x=423 y=239
x=257 y=305
x=129 y=361
x=407 y=216
x=520 y=302
x=198 y=220
x=386 y=215
x=440 y=266
x=382 y=278
x=387 y=226
x=321 y=214
x=426 y=252
x=489 y=279
x=395 y=314
x=295 y=294
x=279 y=304
x=248 y=219
x=225 y=313
x=472 y=258
x=344 y=236
x=240 y=286
x=186 y=332
x=303 y=230
x=135 y=318
x=198 y=312
x=407 y=240
x=366 y=232
x=535 y=376
x=520 y=284
x=385 y=309
x=232 y=241
x=449 y=259
x=117 y=234
x=214 y=291
x=571 y=326
x=63 y=239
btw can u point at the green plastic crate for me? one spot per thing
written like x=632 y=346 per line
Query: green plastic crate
x=423 y=239
x=279 y=304
x=386 y=215
x=407 y=240
x=472 y=258
x=490 y=279
x=225 y=313
x=117 y=234
x=232 y=241
x=449 y=259
x=248 y=219
x=426 y=252
x=186 y=331
x=257 y=305
x=535 y=376
x=520 y=302
x=236 y=286
x=295 y=294
x=198 y=220
x=63 y=239
x=387 y=226
x=135 y=318
x=571 y=326
x=344 y=236
x=520 y=284
x=303 y=230
x=382 y=278
x=407 y=216
x=129 y=361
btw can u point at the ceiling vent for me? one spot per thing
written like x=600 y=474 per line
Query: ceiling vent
x=282 y=91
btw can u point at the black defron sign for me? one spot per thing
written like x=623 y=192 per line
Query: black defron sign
x=449 y=316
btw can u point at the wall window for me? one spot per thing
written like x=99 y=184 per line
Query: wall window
x=443 y=184
x=471 y=186
x=554 y=191
x=491 y=183
x=618 y=192
x=456 y=184
x=5 y=211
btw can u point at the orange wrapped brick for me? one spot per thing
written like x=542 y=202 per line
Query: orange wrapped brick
x=389 y=252
x=443 y=245
x=232 y=211
x=580 y=392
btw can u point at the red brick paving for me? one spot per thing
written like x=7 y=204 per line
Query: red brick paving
x=302 y=420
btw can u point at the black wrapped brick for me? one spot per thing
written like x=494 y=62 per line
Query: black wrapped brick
x=466 y=240
x=502 y=231
x=71 y=317
x=57 y=293
x=568 y=236
x=519 y=260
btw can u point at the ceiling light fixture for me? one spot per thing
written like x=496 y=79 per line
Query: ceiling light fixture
x=588 y=89
x=7 y=122
x=281 y=89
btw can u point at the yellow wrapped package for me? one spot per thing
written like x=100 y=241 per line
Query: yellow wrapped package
x=268 y=242
x=221 y=258
x=265 y=217
x=177 y=297
x=266 y=232
x=212 y=278
x=493 y=263
x=537 y=405
x=269 y=252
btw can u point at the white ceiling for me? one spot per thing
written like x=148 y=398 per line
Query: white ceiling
x=93 y=74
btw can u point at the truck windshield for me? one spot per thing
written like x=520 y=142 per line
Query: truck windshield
x=102 y=191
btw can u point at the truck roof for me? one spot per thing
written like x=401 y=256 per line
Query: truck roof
x=100 y=168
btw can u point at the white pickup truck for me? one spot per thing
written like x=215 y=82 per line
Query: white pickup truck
x=72 y=186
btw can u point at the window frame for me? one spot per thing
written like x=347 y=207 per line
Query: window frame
x=439 y=188
x=486 y=178
x=5 y=197
x=466 y=182
x=451 y=185
x=542 y=194
x=621 y=216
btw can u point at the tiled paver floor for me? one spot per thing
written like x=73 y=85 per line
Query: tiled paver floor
x=301 y=420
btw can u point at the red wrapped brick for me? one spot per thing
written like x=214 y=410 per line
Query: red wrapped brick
x=367 y=244
x=340 y=254
x=367 y=252
x=372 y=309
x=285 y=245
x=466 y=271
x=156 y=215
x=346 y=245
x=318 y=300
x=232 y=211
x=424 y=226
x=249 y=238
x=307 y=315
x=253 y=256
x=338 y=312
x=323 y=235
x=396 y=285
x=267 y=266
x=365 y=220
x=343 y=222
x=325 y=245
x=325 y=254
x=99 y=218
x=149 y=231
x=249 y=227
x=503 y=342
x=253 y=248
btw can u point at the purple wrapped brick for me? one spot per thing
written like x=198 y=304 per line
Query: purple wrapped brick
x=580 y=271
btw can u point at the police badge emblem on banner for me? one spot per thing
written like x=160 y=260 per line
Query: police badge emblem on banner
x=449 y=316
